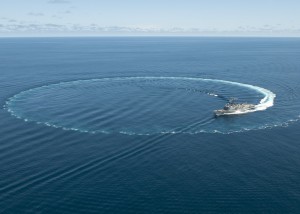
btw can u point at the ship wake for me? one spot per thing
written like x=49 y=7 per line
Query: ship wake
x=266 y=102
x=164 y=97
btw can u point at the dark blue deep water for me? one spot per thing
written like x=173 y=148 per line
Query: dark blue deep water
x=126 y=125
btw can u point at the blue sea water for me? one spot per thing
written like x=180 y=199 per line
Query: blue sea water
x=126 y=125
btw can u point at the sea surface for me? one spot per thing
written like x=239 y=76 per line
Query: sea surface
x=127 y=125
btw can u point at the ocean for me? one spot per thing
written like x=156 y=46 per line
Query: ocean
x=127 y=125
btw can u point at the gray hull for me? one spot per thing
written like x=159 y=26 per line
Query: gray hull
x=233 y=109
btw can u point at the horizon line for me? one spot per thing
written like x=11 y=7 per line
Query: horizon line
x=194 y=36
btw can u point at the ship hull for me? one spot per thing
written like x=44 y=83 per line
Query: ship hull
x=227 y=113
x=235 y=110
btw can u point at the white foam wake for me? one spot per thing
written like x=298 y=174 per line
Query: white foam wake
x=266 y=102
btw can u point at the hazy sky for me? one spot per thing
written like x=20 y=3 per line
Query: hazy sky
x=155 y=17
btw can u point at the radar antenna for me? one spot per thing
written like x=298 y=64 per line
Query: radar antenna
x=232 y=100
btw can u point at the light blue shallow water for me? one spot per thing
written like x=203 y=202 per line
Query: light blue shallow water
x=126 y=125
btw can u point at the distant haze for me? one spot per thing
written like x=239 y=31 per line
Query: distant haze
x=155 y=17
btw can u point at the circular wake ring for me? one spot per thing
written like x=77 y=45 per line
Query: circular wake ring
x=266 y=102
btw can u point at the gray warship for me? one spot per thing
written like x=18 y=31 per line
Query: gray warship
x=232 y=108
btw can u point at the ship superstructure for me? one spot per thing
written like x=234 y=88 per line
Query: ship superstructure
x=232 y=108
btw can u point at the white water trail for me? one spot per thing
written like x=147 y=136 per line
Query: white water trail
x=266 y=102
